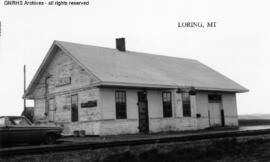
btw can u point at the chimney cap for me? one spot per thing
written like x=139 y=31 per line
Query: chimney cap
x=120 y=44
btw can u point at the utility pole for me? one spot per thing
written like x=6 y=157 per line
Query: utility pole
x=24 y=86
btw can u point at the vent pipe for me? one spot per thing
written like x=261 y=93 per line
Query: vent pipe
x=120 y=44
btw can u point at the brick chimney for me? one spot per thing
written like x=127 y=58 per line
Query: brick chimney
x=120 y=44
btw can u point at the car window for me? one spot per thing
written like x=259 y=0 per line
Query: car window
x=18 y=121
x=2 y=122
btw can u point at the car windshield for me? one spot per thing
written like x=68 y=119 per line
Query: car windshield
x=17 y=121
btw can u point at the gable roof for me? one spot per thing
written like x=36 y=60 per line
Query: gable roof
x=112 y=67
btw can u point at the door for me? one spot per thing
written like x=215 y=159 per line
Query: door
x=143 y=112
x=214 y=111
x=74 y=108
x=215 y=114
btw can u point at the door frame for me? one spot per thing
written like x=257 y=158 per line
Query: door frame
x=146 y=112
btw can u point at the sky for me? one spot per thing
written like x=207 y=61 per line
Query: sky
x=237 y=47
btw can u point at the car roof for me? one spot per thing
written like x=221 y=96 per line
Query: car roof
x=11 y=116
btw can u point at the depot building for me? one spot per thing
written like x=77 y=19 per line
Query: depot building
x=105 y=91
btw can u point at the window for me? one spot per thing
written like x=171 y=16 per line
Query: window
x=186 y=104
x=121 y=106
x=52 y=109
x=167 y=104
x=18 y=121
x=74 y=108
x=214 y=98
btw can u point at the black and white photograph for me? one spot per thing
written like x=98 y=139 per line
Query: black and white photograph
x=134 y=81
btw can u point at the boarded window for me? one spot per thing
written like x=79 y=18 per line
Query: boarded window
x=121 y=106
x=167 y=104
x=186 y=104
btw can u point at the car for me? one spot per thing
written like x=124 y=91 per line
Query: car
x=18 y=130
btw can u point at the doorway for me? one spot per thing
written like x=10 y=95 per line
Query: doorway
x=143 y=112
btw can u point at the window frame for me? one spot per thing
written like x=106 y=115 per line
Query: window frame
x=120 y=103
x=186 y=104
x=167 y=105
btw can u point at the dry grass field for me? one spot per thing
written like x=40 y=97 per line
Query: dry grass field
x=254 y=120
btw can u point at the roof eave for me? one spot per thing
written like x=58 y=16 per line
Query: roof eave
x=137 y=85
x=242 y=90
